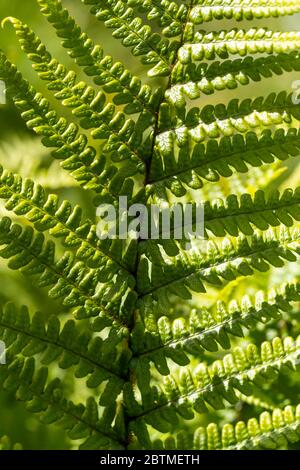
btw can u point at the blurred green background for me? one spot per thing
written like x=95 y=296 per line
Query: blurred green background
x=22 y=152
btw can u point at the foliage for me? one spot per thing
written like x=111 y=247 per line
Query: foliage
x=156 y=344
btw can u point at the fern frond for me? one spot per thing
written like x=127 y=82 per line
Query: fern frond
x=139 y=299
x=191 y=81
x=168 y=14
x=160 y=275
x=67 y=346
x=261 y=211
x=210 y=384
x=208 y=46
x=208 y=10
x=80 y=421
x=108 y=263
x=113 y=77
x=153 y=49
x=208 y=161
x=71 y=281
x=270 y=431
x=235 y=215
x=61 y=220
x=207 y=329
x=79 y=158
x=197 y=124
x=121 y=137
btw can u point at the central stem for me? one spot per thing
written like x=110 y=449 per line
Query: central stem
x=130 y=374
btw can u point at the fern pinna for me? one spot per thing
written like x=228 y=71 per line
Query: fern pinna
x=169 y=346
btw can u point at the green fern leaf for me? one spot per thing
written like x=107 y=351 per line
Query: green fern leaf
x=156 y=342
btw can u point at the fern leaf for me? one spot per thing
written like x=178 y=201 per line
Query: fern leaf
x=261 y=212
x=79 y=158
x=140 y=299
x=235 y=215
x=191 y=82
x=223 y=120
x=214 y=384
x=168 y=14
x=80 y=421
x=67 y=346
x=208 y=10
x=207 y=329
x=223 y=44
x=270 y=431
x=67 y=279
x=113 y=77
x=61 y=220
x=187 y=271
x=134 y=33
x=208 y=161
x=120 y=135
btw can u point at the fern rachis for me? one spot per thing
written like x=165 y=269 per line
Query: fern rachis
x=162 y=334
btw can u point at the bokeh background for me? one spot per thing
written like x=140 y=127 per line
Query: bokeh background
x=21 y=151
